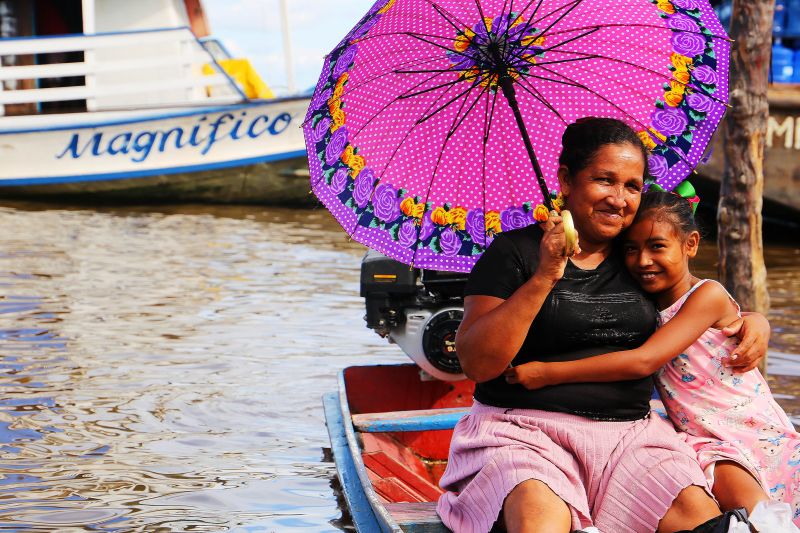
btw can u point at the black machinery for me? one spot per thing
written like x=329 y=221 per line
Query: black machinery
x=419 y=310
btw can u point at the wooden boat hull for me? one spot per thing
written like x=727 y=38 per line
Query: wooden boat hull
x=781 y=154
x=390 y=434
x=276 y=183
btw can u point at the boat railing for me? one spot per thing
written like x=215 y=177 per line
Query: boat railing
x=114 y=71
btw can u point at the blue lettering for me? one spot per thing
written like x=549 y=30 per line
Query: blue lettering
x=193 y=140
x=73 y=150
x=143 y=148
x=126 y=139
x=285 y=119
x=178 y=138
x=212 y=138
x=251 y=130
x=235 y=130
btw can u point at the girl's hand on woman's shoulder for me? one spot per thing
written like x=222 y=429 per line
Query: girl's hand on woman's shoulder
x=530 y=375
x=552 y=260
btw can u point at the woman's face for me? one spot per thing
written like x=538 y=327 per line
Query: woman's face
x=604 y=196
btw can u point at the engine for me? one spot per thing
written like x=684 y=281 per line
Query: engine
x=419 y=310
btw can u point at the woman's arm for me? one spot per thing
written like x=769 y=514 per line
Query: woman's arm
x=493 y=329
x=706 y=307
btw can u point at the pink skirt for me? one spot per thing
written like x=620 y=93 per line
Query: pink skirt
x=616 y=476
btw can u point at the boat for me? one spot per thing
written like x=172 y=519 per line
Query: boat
x=110 y=100
x=781 y=158
x=390 y=428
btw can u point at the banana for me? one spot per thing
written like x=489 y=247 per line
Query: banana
x=570 y=234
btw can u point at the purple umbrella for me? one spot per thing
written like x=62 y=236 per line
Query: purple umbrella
x=444 y=117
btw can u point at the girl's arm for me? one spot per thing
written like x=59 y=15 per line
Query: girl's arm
x=706 y=307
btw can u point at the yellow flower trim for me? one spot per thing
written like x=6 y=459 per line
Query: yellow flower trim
x=412 y=209
x=357 y=163
x=492 y=222
x=666 y=7
x=680 y=61
x=458 y=217
x=439 y=216
x=648 y=141
x=540 y=214
x=338 y=119
x=673 y=98
x=387 y=7
x=682 y=76
x=347 y=155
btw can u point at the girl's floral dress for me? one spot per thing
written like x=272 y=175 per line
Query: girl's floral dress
x=728 y=416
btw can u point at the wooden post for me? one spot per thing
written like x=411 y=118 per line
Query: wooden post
x=741 y=265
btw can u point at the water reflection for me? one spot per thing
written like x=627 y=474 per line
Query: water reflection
x=162 y=368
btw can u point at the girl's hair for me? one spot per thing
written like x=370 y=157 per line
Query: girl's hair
x=583 y=138
x=665 y=206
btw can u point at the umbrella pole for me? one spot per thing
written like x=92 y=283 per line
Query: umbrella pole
x=507 y=85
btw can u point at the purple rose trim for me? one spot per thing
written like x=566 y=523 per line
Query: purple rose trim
x=344 y=61
x=386 y=203
x=699 y=102
x=336 y=146
x=669 y=121
x=427 y=226
x=449 y=242
x=407 y=234
x=688 y=44
x=682 y=23
x=320 y=99
x=320 y=130
x=476 y=226
x=705 y=75
x=513 y=218
x=686 y=4
x=338 y=181
x=657 y=165
x=364 y=28
x=362 y=189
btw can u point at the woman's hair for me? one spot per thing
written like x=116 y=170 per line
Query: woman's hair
x=664 y=206
x=583 y=138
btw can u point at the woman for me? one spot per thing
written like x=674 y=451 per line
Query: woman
x=576 y=455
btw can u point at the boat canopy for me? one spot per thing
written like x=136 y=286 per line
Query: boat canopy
x=60 y=56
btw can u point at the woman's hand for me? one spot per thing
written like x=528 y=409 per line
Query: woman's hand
x=552 y=260
x=531 y=375
x=753 y=332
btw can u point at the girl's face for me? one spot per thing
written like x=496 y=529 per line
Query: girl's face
x=658 y=256
x=604 y=196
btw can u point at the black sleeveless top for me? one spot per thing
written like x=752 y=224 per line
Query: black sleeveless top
x=588 y=312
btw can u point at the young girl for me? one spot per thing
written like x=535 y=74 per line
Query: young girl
x=744 y=441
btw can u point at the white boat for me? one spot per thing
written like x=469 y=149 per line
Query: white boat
x=131 y=101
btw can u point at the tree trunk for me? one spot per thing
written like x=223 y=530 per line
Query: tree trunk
x=741 y=265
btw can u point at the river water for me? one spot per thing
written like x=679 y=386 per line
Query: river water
x=162 y=368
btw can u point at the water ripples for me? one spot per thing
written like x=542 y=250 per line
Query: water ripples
x=162 y=368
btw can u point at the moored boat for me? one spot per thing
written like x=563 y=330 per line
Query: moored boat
x=132 y=101
x=390 y=430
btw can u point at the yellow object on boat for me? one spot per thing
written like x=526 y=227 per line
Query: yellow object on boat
x=245 y=75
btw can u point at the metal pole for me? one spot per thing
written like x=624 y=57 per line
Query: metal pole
x=287 y=47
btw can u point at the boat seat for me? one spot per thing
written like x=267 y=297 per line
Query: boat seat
x=418 y=420
x=418 y=517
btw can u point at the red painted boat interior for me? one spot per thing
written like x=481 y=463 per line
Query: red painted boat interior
x=404 y=467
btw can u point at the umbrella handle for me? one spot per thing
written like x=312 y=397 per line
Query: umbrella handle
x=570 y=233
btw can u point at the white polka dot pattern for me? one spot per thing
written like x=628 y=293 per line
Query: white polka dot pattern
x=418 y=155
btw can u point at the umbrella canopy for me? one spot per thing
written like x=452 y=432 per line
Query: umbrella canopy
x=413 y=145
